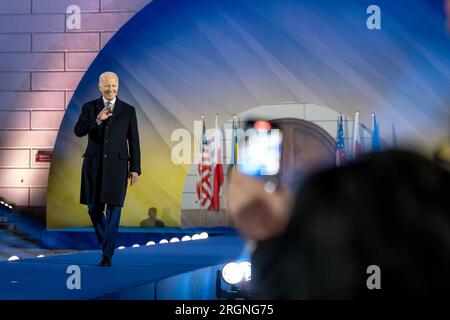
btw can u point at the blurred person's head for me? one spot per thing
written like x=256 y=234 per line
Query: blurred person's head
x=389 y=209
x=152 y=212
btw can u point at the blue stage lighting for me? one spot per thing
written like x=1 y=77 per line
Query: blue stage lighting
x=246 y=268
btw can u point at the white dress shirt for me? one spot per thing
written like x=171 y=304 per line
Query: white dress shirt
x=113 y=102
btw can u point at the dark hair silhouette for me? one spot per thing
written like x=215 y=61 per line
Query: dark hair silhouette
x=390 y=209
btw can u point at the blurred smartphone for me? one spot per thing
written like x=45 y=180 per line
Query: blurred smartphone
x=260 y=150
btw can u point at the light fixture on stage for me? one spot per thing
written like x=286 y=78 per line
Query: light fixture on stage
x=13 y=258
x=246 y=268
x=196 y=237
x=6 y=204
x=150 y=243
x=121 y=248
x=135 y=245
x=40 y=256
x=232 y=273
x=186 y=238
x=174 y=240
x=204 y=235
x=233 y=281
x=163 y=241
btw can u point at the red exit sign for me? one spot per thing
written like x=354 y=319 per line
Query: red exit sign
x=43 y=156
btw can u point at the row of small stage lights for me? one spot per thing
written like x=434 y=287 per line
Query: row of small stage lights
x=6 y=204
x=203 y=235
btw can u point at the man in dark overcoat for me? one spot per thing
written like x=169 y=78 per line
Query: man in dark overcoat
x=111 y=158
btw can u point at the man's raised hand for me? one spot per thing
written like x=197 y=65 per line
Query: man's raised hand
x=104 y=114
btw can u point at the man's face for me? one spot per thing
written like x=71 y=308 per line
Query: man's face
x=109 y=87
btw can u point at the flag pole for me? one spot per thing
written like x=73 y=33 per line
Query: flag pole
x=202 y=210
x=216 y=160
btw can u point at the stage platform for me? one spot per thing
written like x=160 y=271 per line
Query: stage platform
x=84 y=238
x=183 y=270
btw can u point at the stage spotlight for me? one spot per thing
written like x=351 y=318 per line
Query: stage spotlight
x=13 y=258
x=246 y=270
x=174 y=240
x=10 y=207
x=135 y=245
x=196 y=237
x=186 y=238
x=203 y=235
x=234 y=281
x=150 y=243
x=163 y=241
x=232 y=273
x=121 y=248
x=40 y=256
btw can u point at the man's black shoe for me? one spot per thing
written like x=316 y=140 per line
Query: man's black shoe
x=106 y=263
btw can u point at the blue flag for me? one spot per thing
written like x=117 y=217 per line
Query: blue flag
x=340 y=148
x=375 y=134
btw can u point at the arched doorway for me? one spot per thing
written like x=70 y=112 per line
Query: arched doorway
x=306 y=148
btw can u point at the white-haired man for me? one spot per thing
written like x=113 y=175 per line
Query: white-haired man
x=111 y=158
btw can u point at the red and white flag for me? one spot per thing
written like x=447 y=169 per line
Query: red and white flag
x=204 y=192
x=218 y=168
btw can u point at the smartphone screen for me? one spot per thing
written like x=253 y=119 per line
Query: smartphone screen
x=260 y=149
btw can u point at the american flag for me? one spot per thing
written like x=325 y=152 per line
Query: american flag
x=204 y=192
x=340 y=149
